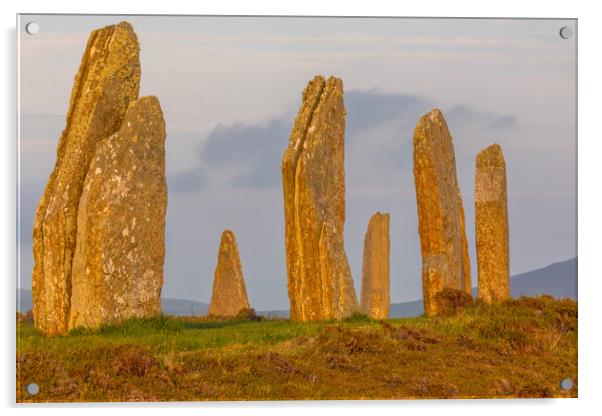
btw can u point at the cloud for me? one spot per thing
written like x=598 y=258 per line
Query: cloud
x=463 y=115
x=247 y=155
x=187 y=181
x=346 y=40
x=367 y=109
x=502 y=123
x=379 y=128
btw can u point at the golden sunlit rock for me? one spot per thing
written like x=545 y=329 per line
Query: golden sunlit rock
x=375 y=297
x=320 y=285
x=107 y=81
x=229 y=291
x=491 y=214
x=118 y=262
x=441 y=226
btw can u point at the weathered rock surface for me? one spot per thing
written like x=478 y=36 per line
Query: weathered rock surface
x=118 y=262
x=435 y=275
x=338 y=292
x=375 y=297
x=441 y=225
x=229 y=291
x=491 y=213
x=320 y=285
x=107 y=81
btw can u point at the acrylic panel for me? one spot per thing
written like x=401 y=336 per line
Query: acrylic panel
x=295 y=208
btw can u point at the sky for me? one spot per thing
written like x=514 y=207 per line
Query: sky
x=230 y=88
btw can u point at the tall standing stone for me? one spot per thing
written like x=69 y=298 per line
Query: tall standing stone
x=375 y=297
x=118 y=263
x=441 y=226
x=229 y=291
x=320 y=285
x=107 y=81
x=491 y=213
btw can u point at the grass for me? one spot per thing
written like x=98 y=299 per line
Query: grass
x=521 y=348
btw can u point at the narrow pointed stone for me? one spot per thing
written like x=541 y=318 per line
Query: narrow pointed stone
x=320 y=285
x=229 y=291
x=107 y=81
x=375 y=297
x=440 y=211
x=118 y=263
x=491 y=214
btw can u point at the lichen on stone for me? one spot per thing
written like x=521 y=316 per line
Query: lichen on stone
x=124 y=265
x=320 y=285
x=491 y=224
x=375 y=291
x=441 y=222
x=105 y=85
x=229 y=294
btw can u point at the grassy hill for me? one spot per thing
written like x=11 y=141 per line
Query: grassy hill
x=522 y=348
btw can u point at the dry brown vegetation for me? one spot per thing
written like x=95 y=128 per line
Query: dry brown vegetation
x=521 y=348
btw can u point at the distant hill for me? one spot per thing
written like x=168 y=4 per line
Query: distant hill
x=170 y=306
x=406 y=309
x=275 y=313
x=183 y=307
x=557 y=279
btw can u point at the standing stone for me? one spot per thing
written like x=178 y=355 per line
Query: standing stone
x=118 y=262
x=229 y=292
x=445 y=261
x=375 y=297
x=107 y=81
x=320 y=285
x=491 y=213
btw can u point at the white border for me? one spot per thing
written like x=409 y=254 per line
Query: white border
x=589 y=211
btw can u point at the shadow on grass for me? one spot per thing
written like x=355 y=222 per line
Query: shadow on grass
x=133 y=326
